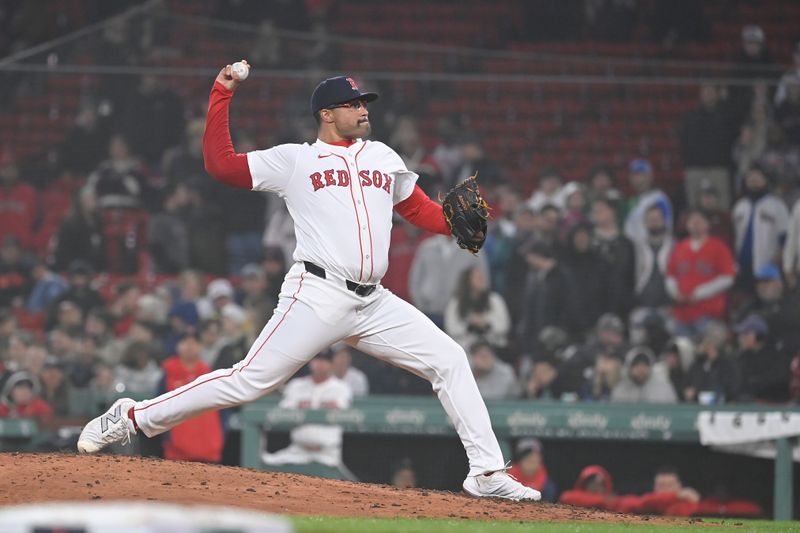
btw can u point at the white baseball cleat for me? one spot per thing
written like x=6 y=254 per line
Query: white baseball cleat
x=108 y=428
x=499 y=484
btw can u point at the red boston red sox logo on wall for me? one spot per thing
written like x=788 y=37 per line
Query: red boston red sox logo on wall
x=353 y=83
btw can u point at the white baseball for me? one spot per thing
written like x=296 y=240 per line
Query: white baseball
x=241 y=70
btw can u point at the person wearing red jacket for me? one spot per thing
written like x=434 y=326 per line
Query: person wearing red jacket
x=198 y=439
x=700 y=271
x=20 y=399
x=593 y=488
x=530 y=470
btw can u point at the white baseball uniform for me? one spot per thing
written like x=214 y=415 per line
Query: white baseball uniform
x=341 y=200
x=321 y=443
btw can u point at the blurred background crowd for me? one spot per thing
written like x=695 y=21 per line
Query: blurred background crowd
x=644 y=181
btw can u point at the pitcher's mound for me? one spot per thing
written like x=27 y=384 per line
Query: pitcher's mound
x=30 y=478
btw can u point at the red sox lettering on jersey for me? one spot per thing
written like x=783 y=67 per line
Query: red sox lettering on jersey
x=342 y=224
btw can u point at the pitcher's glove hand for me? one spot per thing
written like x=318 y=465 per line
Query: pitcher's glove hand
x=466 y=213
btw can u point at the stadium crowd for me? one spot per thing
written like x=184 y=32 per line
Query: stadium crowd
x=607 y=289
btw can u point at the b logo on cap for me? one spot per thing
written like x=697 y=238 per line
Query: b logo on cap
x=352 y=84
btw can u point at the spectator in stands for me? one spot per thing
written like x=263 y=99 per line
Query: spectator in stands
x=639 y=383
x=243 y=218
x=602 y=183
x=435 y=272
x=675 y=361
x=15 y=273
x=765 y=368
x=787 y=114
x=496 y=379
x=137 y=371
x=81 y=235
x=219 y=293
x=574 y=208
x=718 y=218
x=789 y=76
x=616 y=252
x=652 y=259
x=513 y=274
x=209 y=332
x=549 y=191
x=56 y=388
x=405 y=239
x=701 y=270
x=342 y=361
x=609 y=339
x=18 y=344
x=235 y=331
x=588 y=279
x=500 y=239
x=165 y=120
x=18 y=204
x=123 y=306
x=279 y=235
x=791 y=252
x=751 y=144
x=543 y=303
x=529 y=469
x=707 y=134
x=753 y=62
x=475 y=159
x=47 y=286
x=406 y=140
x=118 y=181
x=314 y=443
x=8 y=326
x=778 y=307
x=82 y=149
x=184 y=163
x=255 y=300
x=79 y=291
x=476 y=313
x=198 y=439
x=646 y=196
x=404 y=476
x=760 y=221
x=168 y=232
x=20 y=398
x=551 y=379
x=714 y=376
x=603 y=377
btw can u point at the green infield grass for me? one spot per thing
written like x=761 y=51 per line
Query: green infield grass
x=322 y=524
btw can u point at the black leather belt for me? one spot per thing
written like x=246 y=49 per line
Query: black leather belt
x=359 y=289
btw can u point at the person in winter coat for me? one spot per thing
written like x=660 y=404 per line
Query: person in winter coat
x=765 y=369
x=589 y=278
x=714 y=376
x=476 y=313
x=639 y=383
x=760 y=221
x=198 y=439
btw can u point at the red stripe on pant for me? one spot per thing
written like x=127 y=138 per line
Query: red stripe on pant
x=233 y=370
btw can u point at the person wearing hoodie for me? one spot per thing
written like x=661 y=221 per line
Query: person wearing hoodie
x=20 y=398
x=639 y=383
x=593 y=488
x=674 y=363
x=760 y=221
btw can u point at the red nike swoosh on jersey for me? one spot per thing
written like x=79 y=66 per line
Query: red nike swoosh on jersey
x=322 y=156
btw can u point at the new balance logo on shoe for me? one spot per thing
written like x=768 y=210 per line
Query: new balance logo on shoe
x=112 y=418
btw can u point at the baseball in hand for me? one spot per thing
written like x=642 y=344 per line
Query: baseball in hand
x=241 y=70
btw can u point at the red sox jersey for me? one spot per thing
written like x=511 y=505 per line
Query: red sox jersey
x=341 y=200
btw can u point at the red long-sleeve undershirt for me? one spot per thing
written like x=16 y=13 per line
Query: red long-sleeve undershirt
x=423 y=212
x=225 y=165
x=221 y=160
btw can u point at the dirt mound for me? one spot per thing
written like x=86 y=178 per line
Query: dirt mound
x=29 y=478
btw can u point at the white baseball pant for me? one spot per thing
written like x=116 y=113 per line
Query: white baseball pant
x=312 y=314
